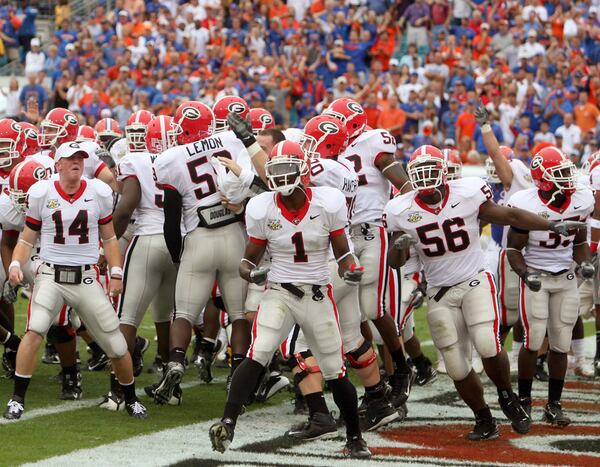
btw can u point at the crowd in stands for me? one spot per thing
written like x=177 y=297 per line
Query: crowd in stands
x=419 y=67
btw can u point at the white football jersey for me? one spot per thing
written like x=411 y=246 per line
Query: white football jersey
x=10 y=218
x=69 y=224
x=297 y=241
x=447 y=235
x=45 y=158
x=119 y=149
x=546 y=250
x=593 y=179
x=4 y=181
x=373 y=188
x=93 y=165
x=193 y=171
x=293 y=134
x=149 y=214
x=338 y=174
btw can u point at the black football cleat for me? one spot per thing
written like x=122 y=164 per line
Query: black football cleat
x=221 y=435
x=554 y=415
x=356 y=447
x=526 y=404
x=14 y=410
x=271 y=385
x=319 y=426
x=426 y=375
x=379 y=412
x=136 y=409
x=71 y=387
x=98 y=361
x=519 y=420
x=50 y=356
x=141 y=345
x=172 y=376
x=484 y=429
x=401 y=384
x=176 y=398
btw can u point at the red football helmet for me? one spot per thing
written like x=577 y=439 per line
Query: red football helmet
x=490 y=168
x=161 y=134
x=12 y=142
x=551 y=169
x=427 y=169
x=108 y=127
x=453 y=162
x=135 y=130
x=591 y=163
x=261 y=119
x=324 y=136
x=86 y=133
x=31 y=145
x=21 y=178
x=193 y=121
x=227 y=104
x=350 y=113
x=287 y=168
x=60 y=126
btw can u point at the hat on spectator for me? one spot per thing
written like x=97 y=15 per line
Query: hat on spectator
x=35 y=42
x=472 y=102
x=124 y=68
x=449 y=142
x=485 y=26
x=394 y=62
x=532 y=33
x=123 y=13
x=70 y=47
x=271 y=98
x=338 y=42
x=70 y=149
x=593 y=10
x=559 y=93
x=306 y=95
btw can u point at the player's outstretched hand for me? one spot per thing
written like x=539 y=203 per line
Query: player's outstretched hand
x=15 y=276
x=564 y=227
x=353 y=275
x=586 y=269
x=404 y=241
x=242 y=128
x=481 y=114
x=533 y=280
x=259 y=275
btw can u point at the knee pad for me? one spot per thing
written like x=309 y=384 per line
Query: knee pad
x=114 y=344
x=301 y=361
x=457 y=366
x=353 y=357
x=60 y=334
x=485 y=341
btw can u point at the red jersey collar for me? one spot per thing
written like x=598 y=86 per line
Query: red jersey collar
x=434 y=209
x=559 y=209
x=295 y=217
x=76 y=195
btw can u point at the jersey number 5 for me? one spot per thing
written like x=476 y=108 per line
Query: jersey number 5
x=201 y=178
x=455 y=240
x=78 y=228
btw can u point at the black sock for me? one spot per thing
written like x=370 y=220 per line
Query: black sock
x=5 y=322
x=245 y=378
x=12 y=342
x=400 y=361
x=525 y=387
x=377 y=391
x=555 y=387
x=597 y=345
x=421 y=362
x=344 y=395
x=483 y=414
x=115 y=387
x=236 y=359
x=177 y=355
x=70 y=370
x=316 y=403
x=95 y=348
x=207 y=344
x=128 y=392
x=21 y=383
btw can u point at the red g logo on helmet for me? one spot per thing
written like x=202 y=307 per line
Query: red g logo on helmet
x=191 y=112
x=328 y=127
x=536 y=162
x=355 y=107
x=71 y=119
x=266 y=119
x=39 y=173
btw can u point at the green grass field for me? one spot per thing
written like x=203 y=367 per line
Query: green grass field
x=66 y=430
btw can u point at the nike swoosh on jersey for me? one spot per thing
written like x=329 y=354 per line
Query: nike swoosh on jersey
x=454 y=205
x=314 y=217
x=88 y=200
x=576 y=207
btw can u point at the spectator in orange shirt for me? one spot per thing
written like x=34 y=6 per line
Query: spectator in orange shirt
x=586 y=113
x=481 y=42
x=278 y=10
x=394 y=118
x=465 y=127
x=383 y=49
x=372 y=109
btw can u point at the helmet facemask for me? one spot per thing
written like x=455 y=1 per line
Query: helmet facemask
x=8 y=152
x=284 y=174
x=50 y=133
x=490 y=170
x=136 y=137
x=426 y=175
x=18 y=199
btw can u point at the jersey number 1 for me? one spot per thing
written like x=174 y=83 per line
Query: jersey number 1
x=78 y=228
x=298 y=241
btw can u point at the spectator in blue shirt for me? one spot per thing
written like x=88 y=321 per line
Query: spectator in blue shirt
x=448 y=120
x=305 y=109
x=478 y=137
x=358 y=48
x=556 y=108
x=27 y=31
x=33 y=90
x=414 y=111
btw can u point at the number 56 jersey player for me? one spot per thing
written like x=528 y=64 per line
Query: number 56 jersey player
x=441 y=219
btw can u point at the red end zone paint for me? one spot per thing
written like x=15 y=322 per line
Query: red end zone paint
x=448 y=442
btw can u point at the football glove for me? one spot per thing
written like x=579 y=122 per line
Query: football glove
x=353 y=275
x=9 y=293
x=404 y=241
x=481 y=115
x=587 y=270
x=533 y=280
x=259 y=275
x=242 y=129
x=564 y=227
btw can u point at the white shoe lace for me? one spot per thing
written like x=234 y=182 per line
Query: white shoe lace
x=137 y=408
x=14 y=406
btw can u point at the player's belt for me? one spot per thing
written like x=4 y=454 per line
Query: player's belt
x=299 y=293
x=213 y=217
x=71 y=275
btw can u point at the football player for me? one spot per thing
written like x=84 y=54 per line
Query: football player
x=549 y=300
x=192 y=176
x=260 y=119
x=372 y=154
x=441 y=219
x=299 y=225
x=225 y=106
x=70 y=215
